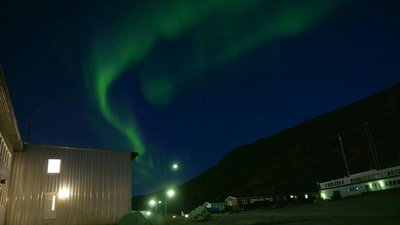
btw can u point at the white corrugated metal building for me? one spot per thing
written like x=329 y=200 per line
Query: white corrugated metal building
x=58 y=185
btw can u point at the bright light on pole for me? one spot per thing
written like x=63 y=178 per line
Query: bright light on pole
x=152 y=203
x=170 y=193
x=175 y=166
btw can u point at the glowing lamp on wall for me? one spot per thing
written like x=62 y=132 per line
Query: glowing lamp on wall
x=323 y=196
x=63 y=193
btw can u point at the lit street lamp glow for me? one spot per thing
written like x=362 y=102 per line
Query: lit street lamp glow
x=170 y=193
x=152 y=203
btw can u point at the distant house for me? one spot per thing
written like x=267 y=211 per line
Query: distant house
x=247 y=202
x=42 y=184
x=235 y=203
x=215 y=207
x=255 y=200
x=232 y=201
x=232 y=204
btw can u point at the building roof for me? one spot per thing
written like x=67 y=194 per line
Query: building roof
x=230 y=197
x=133 y=154
x=367 y=173
x=8 y=122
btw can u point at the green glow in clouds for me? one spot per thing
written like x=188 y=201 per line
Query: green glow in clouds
x=220 y=30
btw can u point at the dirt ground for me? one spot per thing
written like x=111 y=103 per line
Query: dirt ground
x=382 y=208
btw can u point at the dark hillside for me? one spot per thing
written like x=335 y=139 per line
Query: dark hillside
x=295 y=159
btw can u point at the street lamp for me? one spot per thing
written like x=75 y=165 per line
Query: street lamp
x=152 y=203
x=169 y=194
x=175 y=166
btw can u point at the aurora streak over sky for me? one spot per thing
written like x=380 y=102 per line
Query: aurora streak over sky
x=221 y=34
x=188 y=81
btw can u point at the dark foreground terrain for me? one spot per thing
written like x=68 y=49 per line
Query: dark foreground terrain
x=378 y=208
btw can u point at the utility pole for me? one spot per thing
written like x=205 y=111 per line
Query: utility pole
x=34 y=109
x=371 y=145
x=344 y=155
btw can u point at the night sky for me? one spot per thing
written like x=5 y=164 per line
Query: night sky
x=188 y=81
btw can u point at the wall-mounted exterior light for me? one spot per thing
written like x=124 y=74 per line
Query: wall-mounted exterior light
x=63 y=193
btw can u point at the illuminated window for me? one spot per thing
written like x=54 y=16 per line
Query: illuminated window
x=53 y=203
x=54 y=166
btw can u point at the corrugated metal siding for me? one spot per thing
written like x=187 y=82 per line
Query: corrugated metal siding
x=5 y=165
x=98 y=181
x=8 y=123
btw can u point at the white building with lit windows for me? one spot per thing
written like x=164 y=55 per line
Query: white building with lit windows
x=42 y=184
x=371 y=180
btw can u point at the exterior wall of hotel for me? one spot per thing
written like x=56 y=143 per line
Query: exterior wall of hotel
x=10 y=141
x=96 y=186
x=5 y=166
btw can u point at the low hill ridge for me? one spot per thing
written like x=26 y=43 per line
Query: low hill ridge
x=295 y=159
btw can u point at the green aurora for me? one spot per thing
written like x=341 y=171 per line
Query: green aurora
x=219 y=32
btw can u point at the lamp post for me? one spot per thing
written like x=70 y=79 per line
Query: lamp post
x=159 y=202
x=152 y=203
x=175 y=166
x=170 y=193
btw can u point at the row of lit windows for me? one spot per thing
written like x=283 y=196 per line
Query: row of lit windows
x=336 y=183
x=393 y=172
x=365 y=178
x=373 y=185
x=355 y=180
x=376 y=176
x=3 y=197
x=352 y=189
x=392 y=182
x=382 y=184
x=5 y=154
x=254 y=200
